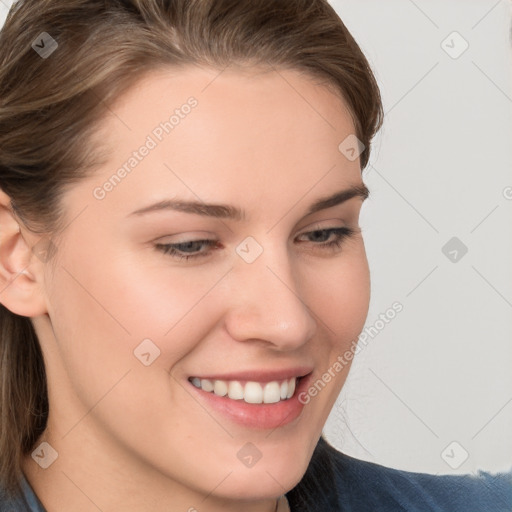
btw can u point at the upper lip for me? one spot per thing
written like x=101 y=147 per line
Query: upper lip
x=260 y=375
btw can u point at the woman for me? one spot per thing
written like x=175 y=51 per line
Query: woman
x=181 y=261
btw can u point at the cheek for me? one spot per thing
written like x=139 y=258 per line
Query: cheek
x=102 y=312
x=338 y=293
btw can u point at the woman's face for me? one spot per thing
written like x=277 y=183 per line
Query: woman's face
x=132 y=328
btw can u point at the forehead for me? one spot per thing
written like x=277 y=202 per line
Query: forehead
x=227 y=136
x=253 y=104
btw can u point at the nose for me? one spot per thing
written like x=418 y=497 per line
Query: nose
x=265 y=304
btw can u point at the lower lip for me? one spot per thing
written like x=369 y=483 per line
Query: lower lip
x=259 y=416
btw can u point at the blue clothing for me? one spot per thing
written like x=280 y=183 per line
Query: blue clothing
x=27 y=502
x=336 y=482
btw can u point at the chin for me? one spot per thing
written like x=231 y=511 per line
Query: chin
x=272 y=477
x=260 y=484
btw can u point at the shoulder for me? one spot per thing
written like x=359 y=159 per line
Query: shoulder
x=351 y=484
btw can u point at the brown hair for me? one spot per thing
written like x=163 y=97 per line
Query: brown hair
x=50 y=107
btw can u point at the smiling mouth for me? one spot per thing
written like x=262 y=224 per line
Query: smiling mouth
x=250 y=392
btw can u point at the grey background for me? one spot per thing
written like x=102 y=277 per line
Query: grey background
x=439 y=372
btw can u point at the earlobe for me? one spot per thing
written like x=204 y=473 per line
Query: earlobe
x=21 y=275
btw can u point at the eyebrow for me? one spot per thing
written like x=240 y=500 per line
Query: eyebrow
x=225 y=211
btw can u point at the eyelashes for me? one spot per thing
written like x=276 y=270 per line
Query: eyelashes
x=189 y=250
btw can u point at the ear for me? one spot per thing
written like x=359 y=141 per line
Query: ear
x=21 y=272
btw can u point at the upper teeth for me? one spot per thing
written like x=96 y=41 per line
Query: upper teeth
x=251 y=392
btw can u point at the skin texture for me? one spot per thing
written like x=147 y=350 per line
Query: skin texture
x=130 y=437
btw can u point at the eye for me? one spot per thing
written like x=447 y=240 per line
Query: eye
x=190 y=249
x=340 y=235
x=187 y=250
